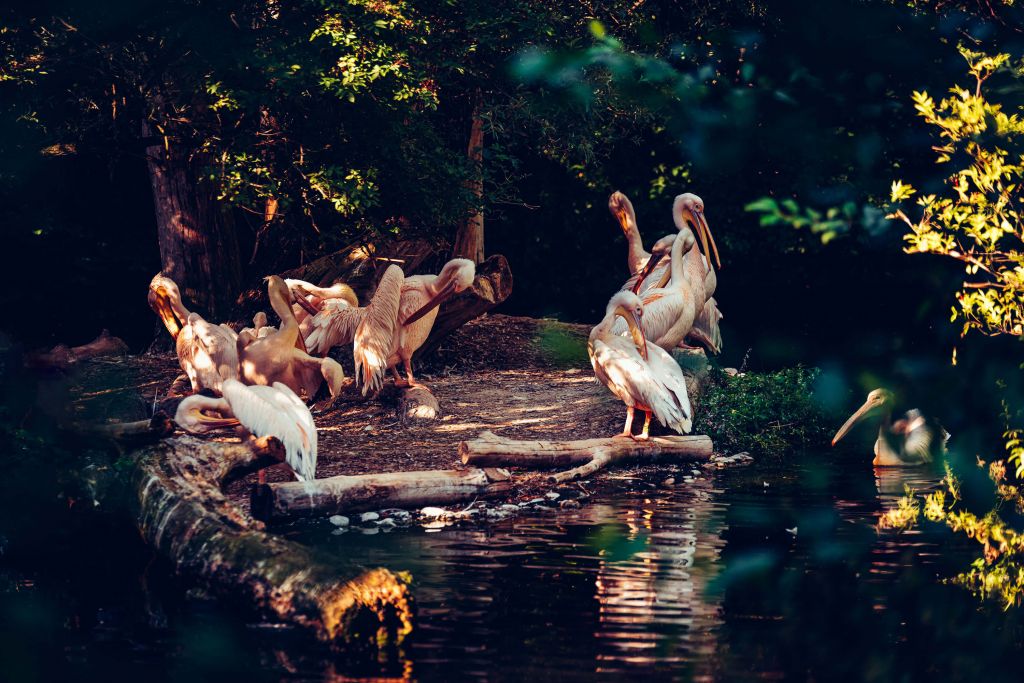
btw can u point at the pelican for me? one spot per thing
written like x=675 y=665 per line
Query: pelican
x=259 y=330
x=206 y=352
x=262 y=411
x=642 y=374
x=310 y=298
x=670 y=307
x=706 y=331
x=394 y=325
x=622 y=209
x=687 y=209
x=913 y=440
x=281 y=357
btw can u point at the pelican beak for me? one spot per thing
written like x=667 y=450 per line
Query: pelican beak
x=300 y=299
x=214 y=422
x=158 y=302
x=652 y=263
x=636 y=330
x=861 y=413
x=436 y=301
x=704 y=230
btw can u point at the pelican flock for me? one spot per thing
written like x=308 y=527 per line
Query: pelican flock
x=261 y=378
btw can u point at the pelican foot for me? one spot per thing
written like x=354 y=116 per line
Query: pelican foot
x=641 y=437
x=623 y=435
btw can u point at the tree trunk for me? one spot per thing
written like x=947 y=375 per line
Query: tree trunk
x=589 y=455
x=198 y=245
x=376 y=491
x=469 y=240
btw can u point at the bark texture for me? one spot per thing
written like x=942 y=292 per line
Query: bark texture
x=195 y=233
x=584 y=457
x=469 y=239
x=183 y=514
x=376 y=491
x=418 y=404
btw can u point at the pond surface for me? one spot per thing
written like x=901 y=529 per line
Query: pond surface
x=766 y=572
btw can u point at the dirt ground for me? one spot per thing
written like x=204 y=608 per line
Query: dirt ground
x=518 y=377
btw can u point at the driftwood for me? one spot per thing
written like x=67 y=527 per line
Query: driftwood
x=183 y=514
x=358 y=266
x=62 y=357
x=493 y=284
x=376 y=491
x=418 y=403
x=585 y=457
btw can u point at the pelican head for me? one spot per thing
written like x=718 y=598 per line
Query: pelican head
x=164 y=298
x=877 y=400
x=456 y=276
x=191 y=417
x=622 y=209
x=688 y=208
x=629 y=306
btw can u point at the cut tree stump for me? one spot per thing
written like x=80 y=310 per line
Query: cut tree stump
x=585 y=457
x=417 y=404
x=376 y=491
x=493 y=284
x=184 y=515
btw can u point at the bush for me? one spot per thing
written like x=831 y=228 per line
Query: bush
x=768 y=413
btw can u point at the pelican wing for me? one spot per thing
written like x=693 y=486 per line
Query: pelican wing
x=619 y=366
x=668 y=316
x=654 y=278
x=375 y=335
x=334 y=325
x=277 y=411
x=212 y=351
x=667 y=371
x=923 y=438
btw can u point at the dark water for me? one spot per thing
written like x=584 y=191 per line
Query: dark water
x=767 y=572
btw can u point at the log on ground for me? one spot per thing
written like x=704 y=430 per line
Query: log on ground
x=182 y=512
x=493 y=284
x=418 y=404
x=376 y=491
x=62 y=357
x=585 y=456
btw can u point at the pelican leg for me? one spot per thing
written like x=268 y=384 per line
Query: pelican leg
x=645 y=434
x=408 y=372
x=627 y=429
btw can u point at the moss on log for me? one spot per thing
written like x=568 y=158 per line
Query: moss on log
x=183 y=514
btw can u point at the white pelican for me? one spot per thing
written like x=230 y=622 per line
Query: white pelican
x=309 y=299
x=281 y=357
x=706 y=331
x=394 y=325
x=263 y=411
x=642 y=374
x=671 y=308
x=259 y=330
x=687 y=209
x=206 y=352
x=622 y=209
x=913 y=440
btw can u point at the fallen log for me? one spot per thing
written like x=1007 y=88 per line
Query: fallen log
x=182 y=512
x=585 y=457
x=63 y=357
x=376 y=491
x=493 y=284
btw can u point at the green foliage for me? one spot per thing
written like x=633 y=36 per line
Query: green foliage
x=770 y=413
x=976 y=220
x=828 y=224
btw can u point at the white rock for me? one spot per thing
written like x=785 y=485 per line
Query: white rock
x=369 y=517
x=551 y=495
x=338 y=520
x=433 y=512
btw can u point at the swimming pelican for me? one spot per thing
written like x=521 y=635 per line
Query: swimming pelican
x=206 y=352
x=278 y=356
x=395 y=324
x=671 y=307
x=262 y=411
x=913 y=440
x=642 y=374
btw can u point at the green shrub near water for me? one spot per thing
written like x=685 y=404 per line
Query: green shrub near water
x=768 y=413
